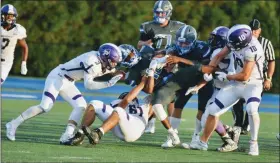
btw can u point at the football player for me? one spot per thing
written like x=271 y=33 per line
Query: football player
x=124 y=117
x=158 y=34
x=11 y=35
x=217 y=41
x=188 y=47
x=245 y=83
x=61 y=80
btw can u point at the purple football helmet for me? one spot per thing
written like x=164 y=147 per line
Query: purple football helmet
x=8 y=10
x=109 y=54
x=218 y=37
x=239 y=36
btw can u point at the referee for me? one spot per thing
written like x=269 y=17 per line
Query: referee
x=268 y=71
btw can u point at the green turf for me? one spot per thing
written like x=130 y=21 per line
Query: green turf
x=37 y=141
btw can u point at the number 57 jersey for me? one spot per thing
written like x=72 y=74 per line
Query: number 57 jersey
x=253 y=52
x=9 y=41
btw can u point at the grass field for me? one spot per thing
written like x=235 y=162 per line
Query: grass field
x=37 y=140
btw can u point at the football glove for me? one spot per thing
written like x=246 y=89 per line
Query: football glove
x=221 y=76
x=207 y=77
x=115 y=79
x=192 y=90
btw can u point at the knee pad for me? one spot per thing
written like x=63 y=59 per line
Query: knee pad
x=252 y=108
x=213 y=109
x=160 y=112
x=97 y=105
x=80 y=103
x=46 y=105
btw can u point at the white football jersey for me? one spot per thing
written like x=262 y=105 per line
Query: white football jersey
x=9 y=41
x=85 y=63
x=252 y=52
x=226 y=64
x=133 y=109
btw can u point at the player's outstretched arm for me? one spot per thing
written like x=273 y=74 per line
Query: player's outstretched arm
x=22 y=43
x=222 y=54
x=245 y=74
x=133 y=93
x=175 y=59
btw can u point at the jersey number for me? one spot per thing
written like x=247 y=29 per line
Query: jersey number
x=160 y=39
x=237 y=61
x=253 y=48
x=132 y=109
x=5 y=43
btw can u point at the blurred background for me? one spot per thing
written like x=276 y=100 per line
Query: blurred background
x=57 y=31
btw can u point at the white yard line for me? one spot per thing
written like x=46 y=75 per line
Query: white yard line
x=17 y=151
x=73 y=157
x=19 y=96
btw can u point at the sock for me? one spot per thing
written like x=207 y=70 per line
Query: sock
x=29 y=113
x=171 y=130
x=102 y=131
x=197 y=127
x=254 y=122
x=152 y=121
x=220 y=129
x=175 y=122
x=70 y=128
x=76 y=114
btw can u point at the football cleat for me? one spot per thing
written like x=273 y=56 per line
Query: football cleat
x=175 y=138
x=245 y=130
x=168 y=143
x=93 y=136
x=254 y=148
x=10 y=131
x=186 y=145
x=227 y=147
x=199 y=145
x=234 y=133
x=79 y=137
x=278 y=136
x=66 y=139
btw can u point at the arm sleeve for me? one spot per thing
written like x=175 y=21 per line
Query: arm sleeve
x=144 y=34
x=91 y=84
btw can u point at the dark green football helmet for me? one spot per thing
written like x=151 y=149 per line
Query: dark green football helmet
x=185 y=39
x=162 y=11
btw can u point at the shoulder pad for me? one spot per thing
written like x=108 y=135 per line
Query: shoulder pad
x=21 y=31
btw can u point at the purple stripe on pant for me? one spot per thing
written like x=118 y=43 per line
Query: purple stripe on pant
x=76 y=97
x=219 y=103
x=104 y=108
x=253 y=99
x=50 y=96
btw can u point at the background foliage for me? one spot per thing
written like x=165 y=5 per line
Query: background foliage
x=60 y=30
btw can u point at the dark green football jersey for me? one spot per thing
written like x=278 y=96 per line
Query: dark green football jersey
x=162 y=37
x=136 y=72
x=201 y=53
